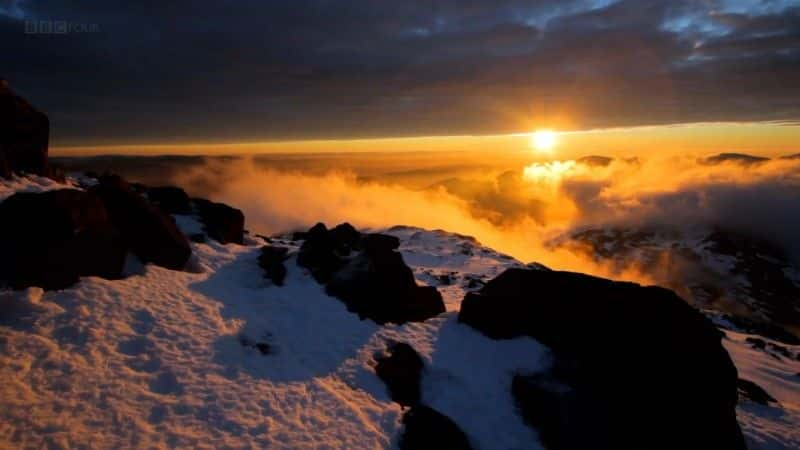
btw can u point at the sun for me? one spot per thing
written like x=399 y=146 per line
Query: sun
x=543 y=140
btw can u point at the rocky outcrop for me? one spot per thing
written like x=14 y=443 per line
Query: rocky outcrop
x=171 y=199
x=321 y=253
x=223 y=223
x=24 y=135
x=612 y=342
x=748 y=390
x=426 y=428
x=51 y=239
x=368 y=274
x=149 y=232
x=271 y=260
x=401 y=370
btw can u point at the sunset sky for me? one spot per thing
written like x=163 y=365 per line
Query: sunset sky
x=150 y=77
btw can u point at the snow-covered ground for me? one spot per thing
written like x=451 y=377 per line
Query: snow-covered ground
x=156 y=361
x=773 y=426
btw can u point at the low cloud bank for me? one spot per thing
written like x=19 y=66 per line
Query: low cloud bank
x=521 y=209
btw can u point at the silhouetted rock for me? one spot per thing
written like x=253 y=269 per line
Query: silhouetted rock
x=596 y=160
x=171 y=199
x=271 y=260
x=402 y=372
x=754 y=392
x=223 y=223
x=614 y=344
x=737 y=158
x=345 y=237
x=367 y=273
x=377 y=284
x=320 y=253
x=426 y=429
x=380 y=244
x=24 y=135
x=51 y=239
x=148 y=231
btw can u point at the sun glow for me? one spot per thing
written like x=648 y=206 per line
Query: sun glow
x=543 y=140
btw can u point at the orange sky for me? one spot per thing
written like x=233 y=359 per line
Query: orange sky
x=764 y=138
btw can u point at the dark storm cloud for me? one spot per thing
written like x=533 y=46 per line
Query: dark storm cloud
x=184 y=71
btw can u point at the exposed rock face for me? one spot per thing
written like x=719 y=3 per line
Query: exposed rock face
x=427 y=428
x=171 y=199
x=755 y=393
x=402 y=372
x=53 y=238
x=271 y=260
x=223 y=223
x=24 y=135
x=321 y=253
x=368 y=274
x=149 y=232
x=613 y=342
x=750 y=279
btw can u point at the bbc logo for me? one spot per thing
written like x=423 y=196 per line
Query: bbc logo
x=59 y=27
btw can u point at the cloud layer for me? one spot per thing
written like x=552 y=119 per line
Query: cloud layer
x=188 y=71
x=521 y=210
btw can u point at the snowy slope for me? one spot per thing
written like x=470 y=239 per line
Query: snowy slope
x=773 y=426
x=156 y=360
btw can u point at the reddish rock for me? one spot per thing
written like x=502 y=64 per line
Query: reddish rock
x=51 y=239
x=148 y=231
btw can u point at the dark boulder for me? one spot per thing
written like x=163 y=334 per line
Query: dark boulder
x=345 y=237
x=755 y=393
x=271 y=260
x=367 y=273
x=402 y=373
x=552 y=406
x=51 y=239
x=426 y=428
x=24 y=135
x=320 y=253
x=379 y=285
x=223 y=223
x=615 y=344
x=171 y=199
x=380 y=244
x=148 y=231
x=263 y=347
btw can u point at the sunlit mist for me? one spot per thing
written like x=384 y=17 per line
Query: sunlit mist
x=550 y=172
